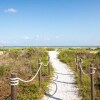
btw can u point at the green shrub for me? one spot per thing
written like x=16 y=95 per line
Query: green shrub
x=98 y=54
x=24 y=62
x=68 y=57
x=50 y=49
x=2 y=70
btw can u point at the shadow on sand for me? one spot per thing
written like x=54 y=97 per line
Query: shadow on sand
x=63 y=74
x=54 y=81
x=52 y=95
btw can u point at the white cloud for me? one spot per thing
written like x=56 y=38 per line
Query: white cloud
x=3 y=42
x=46 y=39
x=9 y=43
x=26 y=37
x=10 y=10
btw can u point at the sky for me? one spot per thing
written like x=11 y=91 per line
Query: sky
x=49 y=22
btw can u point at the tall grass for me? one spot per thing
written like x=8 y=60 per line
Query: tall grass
x=2 y=70
x=68 y=57
x=24 y=62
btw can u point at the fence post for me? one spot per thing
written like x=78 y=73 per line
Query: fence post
x=48 y=66
x=92 y=71
x=80 y=64
x=39 y=64
x=13 y=88
x=76 y=61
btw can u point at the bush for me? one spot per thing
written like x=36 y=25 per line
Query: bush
x=2 y=70
x=50 y=49
x=24 y=62
x=68 y=56
x=98 y=54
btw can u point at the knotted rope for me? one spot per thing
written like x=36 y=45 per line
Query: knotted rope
x=46 y=64
x=92 y=70
x=15 y=81
x=80 y=65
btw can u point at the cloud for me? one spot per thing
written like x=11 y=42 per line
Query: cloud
x=10 y=10
x=46 y=39
x=9 y=43
x=3 y=42
x=26 y=37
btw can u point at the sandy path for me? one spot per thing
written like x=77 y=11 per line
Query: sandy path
x=63 y=82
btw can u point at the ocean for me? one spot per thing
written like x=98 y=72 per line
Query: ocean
x=8 y=47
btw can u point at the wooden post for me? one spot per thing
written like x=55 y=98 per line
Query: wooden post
x=39 y=61
x=92 y=81
x=48 y=66
x=13 y=88
x=76 y=61
x=80 y=64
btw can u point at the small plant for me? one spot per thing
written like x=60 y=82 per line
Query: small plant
x=50 y=49
x=2 y=70
x=98 y=54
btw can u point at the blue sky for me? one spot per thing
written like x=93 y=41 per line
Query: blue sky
x=50 y=22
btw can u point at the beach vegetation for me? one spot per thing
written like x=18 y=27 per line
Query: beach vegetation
x=68 y=56
x=24 y=62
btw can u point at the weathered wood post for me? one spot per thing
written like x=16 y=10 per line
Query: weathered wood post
x=39 y=65
x=80 y=64
x=76 y=61
x=92 y=71
x=13 y=86
x=48 y=65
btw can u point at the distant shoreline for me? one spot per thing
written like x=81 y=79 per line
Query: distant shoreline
x=5 y=47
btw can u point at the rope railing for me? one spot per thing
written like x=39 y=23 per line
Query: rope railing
x=79 y=62
x=80 y=65
x=14 y=80
x=46 y=64
x=93 y=70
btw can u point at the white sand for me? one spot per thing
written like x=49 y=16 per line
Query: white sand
x=63 y=82
x=1 y=52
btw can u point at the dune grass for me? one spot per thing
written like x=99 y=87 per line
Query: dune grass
x=68 y=56
x=24 y=62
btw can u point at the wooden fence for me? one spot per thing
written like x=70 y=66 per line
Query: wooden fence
x=14 y=80
x=79 y=62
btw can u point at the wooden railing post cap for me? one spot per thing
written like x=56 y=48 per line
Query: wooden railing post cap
x=13 y=74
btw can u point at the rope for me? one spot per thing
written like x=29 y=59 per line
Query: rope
x=32 y=78
x=46 y=64
x=92 y=70
x=82 y=69
x=75 y=60
x=15 y=81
